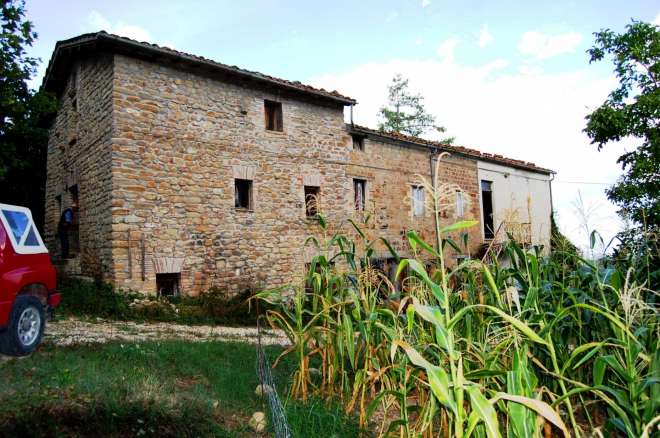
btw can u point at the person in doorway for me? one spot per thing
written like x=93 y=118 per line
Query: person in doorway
x=66 y=220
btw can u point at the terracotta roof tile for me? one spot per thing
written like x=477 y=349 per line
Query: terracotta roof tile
x=127 y=43
x=496 y=158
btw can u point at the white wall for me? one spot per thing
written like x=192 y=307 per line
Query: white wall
x=520 y=196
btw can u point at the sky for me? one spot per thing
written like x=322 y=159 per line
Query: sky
x=506 y=77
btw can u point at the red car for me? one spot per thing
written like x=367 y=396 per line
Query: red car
x=27 y=282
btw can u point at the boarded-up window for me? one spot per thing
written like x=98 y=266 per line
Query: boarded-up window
x=360 y=194
x=312 y=199
x=273 y=115
x=418 y=200
x=243 y=193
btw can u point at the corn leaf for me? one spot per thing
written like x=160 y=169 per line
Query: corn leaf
x=541 y=408
x=485 y=411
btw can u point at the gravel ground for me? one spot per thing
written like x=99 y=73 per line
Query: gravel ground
x=73 y=331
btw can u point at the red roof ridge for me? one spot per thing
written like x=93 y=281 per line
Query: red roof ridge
x=452 y=148
x=103 y=35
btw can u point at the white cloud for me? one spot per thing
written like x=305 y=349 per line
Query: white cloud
x=393 y=15
x=657 y=20
x=485 y=37
x=517 y=112
x=99 y=22
x=96 y=21
x=425 y=3
x=544 y=46
x=447 y=47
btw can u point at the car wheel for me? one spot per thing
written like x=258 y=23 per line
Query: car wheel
x=26 y=327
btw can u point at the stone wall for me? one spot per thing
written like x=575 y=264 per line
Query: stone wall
x=392 y=169
x=79 y=155
x=157 y=149
x=179 y=140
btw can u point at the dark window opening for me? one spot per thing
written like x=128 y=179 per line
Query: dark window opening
x=360 y=192
x=487 y=208
x=58 y=200
x=273 y=115
x=243 y=193
x=168 y=284
x=312 y=200
x=74 y=229
x=358 y=142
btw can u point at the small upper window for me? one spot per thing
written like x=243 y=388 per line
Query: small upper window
x=312 y=199
x=460 y=203
x=418 y=200
x=358 y=142
x=273 y=115
x=360 y=194
x=243 y=194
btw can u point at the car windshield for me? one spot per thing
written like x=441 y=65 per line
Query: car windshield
x=18 y=222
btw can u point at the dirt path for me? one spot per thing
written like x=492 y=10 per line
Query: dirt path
x=73 y=331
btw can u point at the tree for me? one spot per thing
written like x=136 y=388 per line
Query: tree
x=405 y=112
x=632 y=110
x=24 y=115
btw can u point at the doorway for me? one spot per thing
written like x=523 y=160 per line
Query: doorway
x=487 y=209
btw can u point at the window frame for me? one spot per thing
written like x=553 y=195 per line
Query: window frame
x=460 y=202
x=250 y=194
x=273 y=110
x=363 y=183
x=359 y=141
x=415 y=188
x=490 y=235
x=19 y=246
x=315 y=206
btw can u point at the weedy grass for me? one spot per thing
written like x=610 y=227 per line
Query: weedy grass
x=161 y=389
x=526 y=345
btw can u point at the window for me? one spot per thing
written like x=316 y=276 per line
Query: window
x=360 y=189
x=243 y=194
x=358 y=142
x=18 y=223
x=312 y=199
x=460 y=203
x=168 y=284
x=273 y=114
x=487 y=208
x=418 y=200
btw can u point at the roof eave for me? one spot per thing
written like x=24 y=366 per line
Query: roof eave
x=448 y=148
x=138 y=47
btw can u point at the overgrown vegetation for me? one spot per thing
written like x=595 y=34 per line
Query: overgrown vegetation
x=87 y=299
x=538 y=345
x=164 y=389
x=632 y=110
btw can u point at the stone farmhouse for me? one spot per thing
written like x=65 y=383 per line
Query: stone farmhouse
x=185 y=173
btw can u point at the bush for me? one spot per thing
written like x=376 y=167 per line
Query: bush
x=80 y=297
x=96 y=299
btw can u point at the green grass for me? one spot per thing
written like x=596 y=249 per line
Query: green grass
x=169 y=388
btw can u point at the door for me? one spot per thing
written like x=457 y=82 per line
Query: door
x=487 y=209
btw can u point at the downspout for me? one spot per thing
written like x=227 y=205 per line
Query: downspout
x=552 y=207
x=433 y=183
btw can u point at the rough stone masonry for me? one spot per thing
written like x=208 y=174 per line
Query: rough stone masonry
x=178 y=178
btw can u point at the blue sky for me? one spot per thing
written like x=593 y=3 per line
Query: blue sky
x=509 y=77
